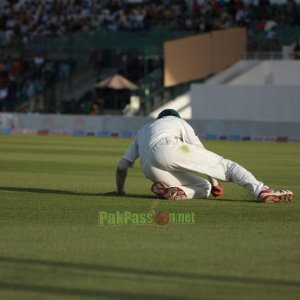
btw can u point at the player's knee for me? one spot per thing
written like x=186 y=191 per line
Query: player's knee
x=208 y=189
x=203 y=190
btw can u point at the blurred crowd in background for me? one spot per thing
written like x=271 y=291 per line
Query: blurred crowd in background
x=22 y=78
x=25 y=21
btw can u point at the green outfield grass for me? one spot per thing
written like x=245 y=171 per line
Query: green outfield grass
x=52 y=189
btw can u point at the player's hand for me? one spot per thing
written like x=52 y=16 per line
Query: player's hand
x=217 y=190
x=115 y=193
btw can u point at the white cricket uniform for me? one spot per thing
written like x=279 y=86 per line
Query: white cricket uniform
x=171 y=153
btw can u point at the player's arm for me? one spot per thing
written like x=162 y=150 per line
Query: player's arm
x=217 y=189
x=190 y=137
x=125 y=162
x=121 y=175
x=213 y=181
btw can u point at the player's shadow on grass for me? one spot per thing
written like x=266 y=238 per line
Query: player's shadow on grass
x=70 y=193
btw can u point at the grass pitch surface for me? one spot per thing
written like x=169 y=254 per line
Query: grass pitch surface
x=52 y=190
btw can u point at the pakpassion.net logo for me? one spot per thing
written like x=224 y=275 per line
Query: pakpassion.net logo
x=147 y=218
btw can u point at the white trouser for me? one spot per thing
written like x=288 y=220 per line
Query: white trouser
x=179 y=164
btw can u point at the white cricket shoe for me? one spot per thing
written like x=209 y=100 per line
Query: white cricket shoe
x=168 y=193
x=275 y=196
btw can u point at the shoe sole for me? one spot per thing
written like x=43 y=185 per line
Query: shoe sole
x=286 y=197
x=158 y=189
x=168 y=193
x=177 y=194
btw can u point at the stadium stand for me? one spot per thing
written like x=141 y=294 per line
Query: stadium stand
x=24 y=80
x=96 y=39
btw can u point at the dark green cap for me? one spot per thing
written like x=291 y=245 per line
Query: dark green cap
x=168 y=112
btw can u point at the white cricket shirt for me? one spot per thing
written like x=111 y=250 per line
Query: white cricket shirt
x=152 y=133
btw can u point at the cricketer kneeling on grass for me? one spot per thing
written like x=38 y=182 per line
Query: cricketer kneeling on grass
x=172 y=156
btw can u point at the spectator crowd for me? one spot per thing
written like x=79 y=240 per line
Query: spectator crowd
x=22 y=79
x=25 y=21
